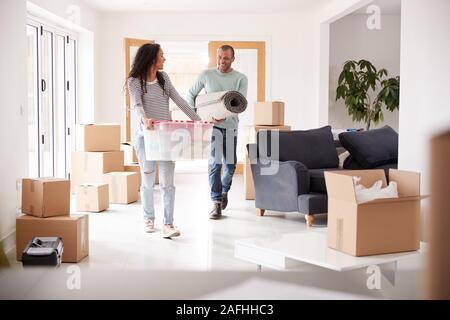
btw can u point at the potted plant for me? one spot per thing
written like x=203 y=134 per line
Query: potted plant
x=358 y=83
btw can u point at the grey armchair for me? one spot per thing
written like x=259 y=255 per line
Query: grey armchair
x=296 y=181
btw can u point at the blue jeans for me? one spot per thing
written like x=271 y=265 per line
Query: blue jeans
x=223 y=152
x=166 y=174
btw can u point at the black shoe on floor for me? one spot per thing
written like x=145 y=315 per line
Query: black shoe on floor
x=216 y=211
x=224 y=200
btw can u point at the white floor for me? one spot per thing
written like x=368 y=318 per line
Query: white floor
x=118 y=244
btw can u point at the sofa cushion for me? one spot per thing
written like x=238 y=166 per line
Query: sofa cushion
x=372 y=148
x=314 y=148
x=313 y=203
x=317 y=180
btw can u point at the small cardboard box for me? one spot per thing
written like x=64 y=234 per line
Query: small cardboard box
x=73 y=229
x=92 y=197
x=46 y=197
x=269 y=113
x=134 y=167
x=123 y=186
x=130 y=155
x=98 y=137
x=376 y=227
x=89 y=167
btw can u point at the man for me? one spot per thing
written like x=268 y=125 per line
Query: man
x=224 y=138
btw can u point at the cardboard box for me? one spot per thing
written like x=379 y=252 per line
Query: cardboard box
x=377 y=227
x=248 y=181
x=123 y=186
x=269 y=113
x=46 y=197
x=438 y=260
x=73 y=229
x=250 y=133
x=89 y=167
x=93 y=197
x=130 y=155
x=98 y=137
x=134 y=167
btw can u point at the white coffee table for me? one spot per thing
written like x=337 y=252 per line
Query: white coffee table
x=295 y=251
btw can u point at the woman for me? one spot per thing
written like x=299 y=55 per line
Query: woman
x=150 y=89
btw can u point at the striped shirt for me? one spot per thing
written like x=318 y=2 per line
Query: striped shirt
x=154 y=103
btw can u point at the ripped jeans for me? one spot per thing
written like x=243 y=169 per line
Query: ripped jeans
x=166 y=173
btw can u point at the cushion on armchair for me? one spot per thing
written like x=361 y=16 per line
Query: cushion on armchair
x=313 y=148
x=371 y=148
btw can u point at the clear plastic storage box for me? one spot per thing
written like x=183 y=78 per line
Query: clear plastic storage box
x=178 y=140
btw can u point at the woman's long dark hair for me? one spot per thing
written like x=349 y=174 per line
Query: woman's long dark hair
x=146 y=57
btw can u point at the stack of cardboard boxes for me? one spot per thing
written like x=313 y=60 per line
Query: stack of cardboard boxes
x=46 y=205
x=98 y=165
x=268 y=116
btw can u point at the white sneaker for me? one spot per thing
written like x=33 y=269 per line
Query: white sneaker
x=149 y=225
x=170 y=231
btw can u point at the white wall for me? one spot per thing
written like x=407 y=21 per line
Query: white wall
x=425 y=88
x=13 y=96
x=350 y=39
x=334 y=11
x=289 y=53
x=13 y=109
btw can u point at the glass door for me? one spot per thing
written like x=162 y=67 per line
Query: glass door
x=33 y=96
x=46 y=105
x=59 y=110
x=71 y=98
x=52 y=102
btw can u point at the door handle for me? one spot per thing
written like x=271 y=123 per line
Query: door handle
x=42 y=139
x=43 y=85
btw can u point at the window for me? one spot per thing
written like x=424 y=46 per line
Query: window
x=51 y=99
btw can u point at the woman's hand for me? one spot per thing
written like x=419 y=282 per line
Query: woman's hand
x=148 y=123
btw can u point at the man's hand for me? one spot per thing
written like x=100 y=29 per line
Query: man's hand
x=215 y=121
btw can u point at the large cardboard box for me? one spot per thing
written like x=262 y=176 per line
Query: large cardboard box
x=93 y=197
x=73 y=229
x=269 y=113
x=89 y=167
x=46 y=197
x=250 y=133
x=98 y=137
x=130 y=155
x=438 y=266
x=123 y=186
x=377 y=227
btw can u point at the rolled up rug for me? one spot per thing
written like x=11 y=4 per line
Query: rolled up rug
x=220 y=105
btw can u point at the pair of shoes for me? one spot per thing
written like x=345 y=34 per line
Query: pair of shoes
x=216 y=211
x=224 y=200
x=149 y=225
x=170 y=231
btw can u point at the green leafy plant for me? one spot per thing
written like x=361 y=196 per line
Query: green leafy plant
x=358 y=82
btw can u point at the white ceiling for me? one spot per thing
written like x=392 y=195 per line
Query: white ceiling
x=209 y=6
x=389 y=7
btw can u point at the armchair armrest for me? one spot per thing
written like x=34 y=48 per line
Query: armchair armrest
x=278 y=184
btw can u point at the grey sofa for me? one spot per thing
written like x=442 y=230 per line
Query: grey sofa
x=288 y=167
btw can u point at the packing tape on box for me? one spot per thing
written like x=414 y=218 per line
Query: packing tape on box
x=85 y=162
x=114 y=188
x=32 y=182
x=83 y=232
x=340 y=234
